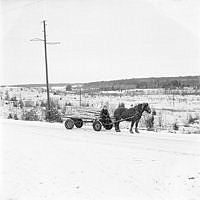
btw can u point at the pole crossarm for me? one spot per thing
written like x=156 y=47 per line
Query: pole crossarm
x=53 y=42
x=42 y=40
x=36 y=40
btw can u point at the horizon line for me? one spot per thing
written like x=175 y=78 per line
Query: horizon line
x=23 y=84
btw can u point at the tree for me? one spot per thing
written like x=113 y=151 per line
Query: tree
x=68 y=87
x=174 y=84
x=7 y=96
x=53 y=115
x=21 y=104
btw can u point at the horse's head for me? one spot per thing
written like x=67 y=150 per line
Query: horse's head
x=146 y=107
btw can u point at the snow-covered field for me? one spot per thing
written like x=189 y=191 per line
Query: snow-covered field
x=181 y=106
x=44 y=161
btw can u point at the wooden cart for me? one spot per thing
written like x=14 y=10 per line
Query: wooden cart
x=77 y=116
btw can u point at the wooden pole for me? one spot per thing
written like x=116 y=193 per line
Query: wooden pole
x=46 y=66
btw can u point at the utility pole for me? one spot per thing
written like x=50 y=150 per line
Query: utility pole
x=80 y=97
x=46 y=64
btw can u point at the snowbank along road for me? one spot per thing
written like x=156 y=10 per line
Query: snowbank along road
x=43 y=161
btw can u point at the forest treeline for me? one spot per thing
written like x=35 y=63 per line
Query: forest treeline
x=147 y=83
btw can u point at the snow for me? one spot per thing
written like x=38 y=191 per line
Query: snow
x=44 y=161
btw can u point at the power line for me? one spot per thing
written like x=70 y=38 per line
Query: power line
x=17 y=8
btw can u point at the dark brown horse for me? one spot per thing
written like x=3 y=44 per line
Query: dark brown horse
x=130 y=114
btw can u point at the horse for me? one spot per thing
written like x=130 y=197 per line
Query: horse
x=132 y=114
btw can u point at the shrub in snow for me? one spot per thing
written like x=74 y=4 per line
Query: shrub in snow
x=13 y=99
x=149 y=122
x=15 y=117
x=30 y=115
x=29 y=103
x=10 y=116
x=192 y=120
x=21 y=104
x=53 y=115
x=153 y=112
x=175 y=126
x=85 y=104
x=68 y=104
x=121 y=105
x=54 y=103
x=160 y=120
x=43 y=104
x=68 y=87
x=7 y=96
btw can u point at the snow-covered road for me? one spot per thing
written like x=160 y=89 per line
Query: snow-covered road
x=43 y=161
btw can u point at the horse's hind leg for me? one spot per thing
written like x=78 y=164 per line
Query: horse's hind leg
x=117 y=126
x=136 y=126
x=131 y=128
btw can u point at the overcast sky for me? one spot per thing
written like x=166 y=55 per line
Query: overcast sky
x=100 y=39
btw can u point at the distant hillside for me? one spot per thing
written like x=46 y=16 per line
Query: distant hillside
x=140 y=83
x=144 y=83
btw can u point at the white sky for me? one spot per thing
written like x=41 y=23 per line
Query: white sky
x=100 y=39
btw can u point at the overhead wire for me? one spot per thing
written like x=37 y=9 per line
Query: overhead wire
x=4 y=11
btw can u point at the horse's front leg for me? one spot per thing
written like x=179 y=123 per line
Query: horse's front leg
x=136 y=126
x=131 y=128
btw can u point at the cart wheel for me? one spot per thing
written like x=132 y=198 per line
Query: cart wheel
x=97 y=125
x=69 y=124
x=79 y=123
x=108 y=126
